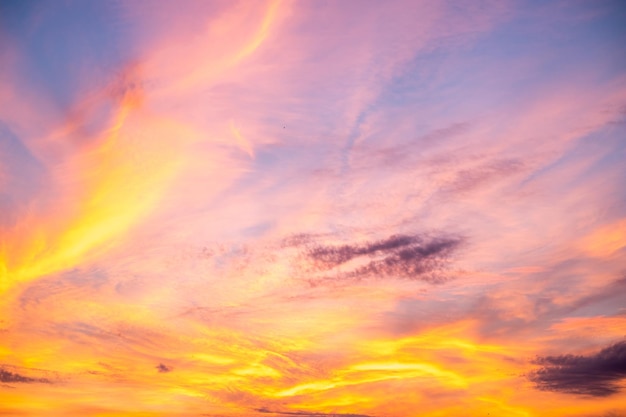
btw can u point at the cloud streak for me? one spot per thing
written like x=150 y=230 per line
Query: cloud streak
x=307 y=413
x=412 y=257
x=10 y=376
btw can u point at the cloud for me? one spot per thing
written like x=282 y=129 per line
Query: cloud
x=404 y=155
x=73 y=283
x=7 y=376
x=331 y=256
x=144 y=234
x=401 y=256
x=164 y=368
x=307 y=413
x=597 y=375
x=469 y=179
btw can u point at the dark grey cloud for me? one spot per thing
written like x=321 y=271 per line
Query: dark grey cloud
x=398 y=256
x=11 y=376
x=331 y=256
x=423 y=261
x=307 y=413
x=164 y=368
x=597 y=375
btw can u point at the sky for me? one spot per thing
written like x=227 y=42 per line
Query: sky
x=313 y=208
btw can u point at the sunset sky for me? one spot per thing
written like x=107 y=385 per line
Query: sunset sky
x=312 y=208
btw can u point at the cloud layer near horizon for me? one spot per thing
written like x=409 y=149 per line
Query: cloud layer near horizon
x=308 y=208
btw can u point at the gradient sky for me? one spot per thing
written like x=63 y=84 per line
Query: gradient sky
x=312 y=208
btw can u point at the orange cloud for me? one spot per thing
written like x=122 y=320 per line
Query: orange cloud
x=105 y=188
x=606 y=240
